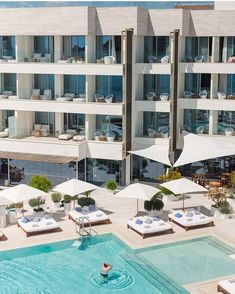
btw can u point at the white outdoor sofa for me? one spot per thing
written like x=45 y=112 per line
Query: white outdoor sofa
x=69 y=134
x=35 y=227
x=190 y=219
x=147 y=226
x=95 y=217
x=226 y=286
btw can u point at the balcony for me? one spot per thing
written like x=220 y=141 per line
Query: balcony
x=206 y=104
x=205 y=67
x=152 y=68
x=155 y=106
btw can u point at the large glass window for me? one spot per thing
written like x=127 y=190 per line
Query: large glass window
x=197 y=85
x=196 y=121
x=74 y=46
x=45 y=82
x=46 y=118
x=198 y=49
x=106 y=124
x=227 y=84
x=75 y=84
x=156 y=85
x=226 y=122
x=8 y=83
x=75 y=121
x=7 y=47
x=108 y=46
x=155 y=48
x=106 y=85
x=5 y=115
x=155 y=124
x=230 y=46
x=44 y=48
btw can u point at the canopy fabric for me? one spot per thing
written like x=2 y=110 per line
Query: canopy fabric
x=20 y=193
x=158 y=153
x=197 y=148
x=74 y=187
x=183 y=186
x=138 y=191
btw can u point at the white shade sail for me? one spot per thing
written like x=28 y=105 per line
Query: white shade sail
x=138 y=191
x=20 y=193
x=197 y=148
x=159 y=152
x=183 y=186
x=74 y=187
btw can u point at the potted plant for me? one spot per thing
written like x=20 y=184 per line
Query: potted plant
x=15 y=206
x=110 y=136
x=67 y=203
x=56 y=198
x=154 y=207
x=111 y=185
x=36 y=204
x=85 y=202
x=173 y=174
x=41 y=183
x=218 y=196
x=225 y=210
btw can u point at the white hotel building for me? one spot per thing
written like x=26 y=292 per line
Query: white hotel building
x=81 y=86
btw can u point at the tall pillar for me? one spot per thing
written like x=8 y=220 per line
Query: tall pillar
x=59 y=122
x=90 y=88
x=59 y=85
x=24 y=85
x=90 y=126
x=213 y=122
x=58 y=47
x=215 y=49
x=90 y=48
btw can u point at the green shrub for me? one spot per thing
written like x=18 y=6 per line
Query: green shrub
x=232 y=196
x=41 y=183
x=56 y=197
x=164 y=191
x=233 y=178
x=111 y=185
x=171 y=175
x=155 y=203
x=36 y=202
x=225 y=208
x=15 y=205
x=86 y=201
x=67 y=198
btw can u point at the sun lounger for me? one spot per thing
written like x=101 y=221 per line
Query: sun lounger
x=190 y=219
x=94 y=217
x=146 y=226
x=226 y=286
x=37 y=225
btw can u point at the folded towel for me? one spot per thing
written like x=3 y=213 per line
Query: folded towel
x=35 y=225
x=189 y=214
x=78 y=209
x=202 y=217
x=49 y=223
x=179 y=215
x=189 y=219
x=162 y=224
x=139 y=221
x=25 y=220
x=156 y=218
x=36 y=219
x=147 y=226
x=148 y=220
x=99 y=214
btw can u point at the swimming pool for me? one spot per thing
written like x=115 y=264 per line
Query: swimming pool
x=61 y=268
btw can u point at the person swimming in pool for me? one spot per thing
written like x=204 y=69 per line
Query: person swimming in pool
x=106 y=267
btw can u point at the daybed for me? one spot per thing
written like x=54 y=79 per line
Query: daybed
x=190 y=219
x=226 y=286
x=94 y=216
x=148 y=226
x=69 y=134
x=37 y=225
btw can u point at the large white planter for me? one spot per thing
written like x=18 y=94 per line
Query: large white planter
x=56 y=205
x=67 y=207
x=215 y=212
x=153 y=213
x=110 y=139
x=39 y=213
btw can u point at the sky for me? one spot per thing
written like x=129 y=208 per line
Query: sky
x=146 y=4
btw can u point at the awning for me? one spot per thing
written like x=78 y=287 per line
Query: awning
x=37 y=157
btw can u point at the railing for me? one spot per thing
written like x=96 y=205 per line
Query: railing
x=82 y=231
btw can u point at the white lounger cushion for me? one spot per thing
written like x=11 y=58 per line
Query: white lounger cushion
x=190 y=221
x=65 y=136
x=43 y=225
x=93 y=216
x=146 y=228
x=78 y=138
x=228 y=285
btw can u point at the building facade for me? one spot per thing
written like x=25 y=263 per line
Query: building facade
x=81 y=86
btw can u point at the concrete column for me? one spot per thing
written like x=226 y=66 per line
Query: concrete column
x=90 y=126
x=128 y=170
x=214 y=85
x=90 y=48
x=24 y=121
x=215 y=49
x=138 y=49
x=59 y=122
x=58 y=47
x=181 y=49
x=224 y=54
x=59 y=85
x=24 y=48
x=90 y=88
x=213 y=121
x=24 y=84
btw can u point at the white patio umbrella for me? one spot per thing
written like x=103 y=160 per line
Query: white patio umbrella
x=74 y=187
x=20 y=193
x=197 y=148
x=158 y=152
x=183 y=186
x=138 y=191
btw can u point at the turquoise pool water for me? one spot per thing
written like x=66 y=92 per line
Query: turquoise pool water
x=192 y=260
x=60 y=268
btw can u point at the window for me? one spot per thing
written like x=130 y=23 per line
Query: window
x=108 y=46
x=75 y=84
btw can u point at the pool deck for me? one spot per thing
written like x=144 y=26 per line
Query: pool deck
x=120 y=211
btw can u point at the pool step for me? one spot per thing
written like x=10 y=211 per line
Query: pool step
x=221 y=246
x=157 y=278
